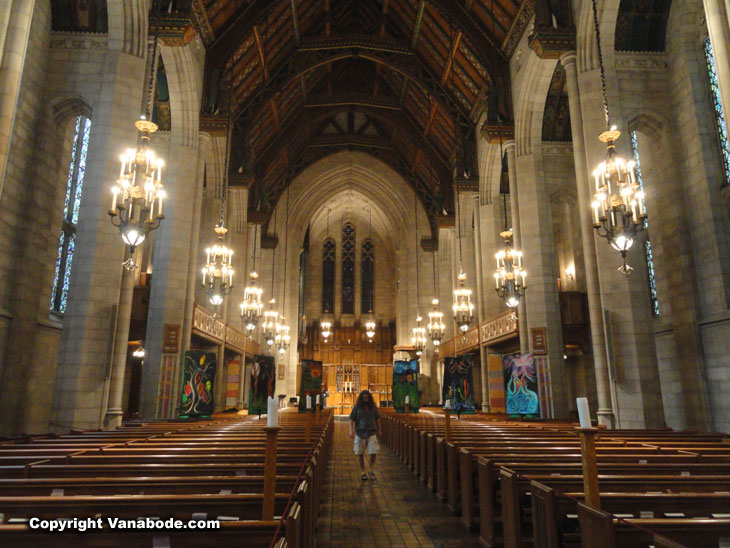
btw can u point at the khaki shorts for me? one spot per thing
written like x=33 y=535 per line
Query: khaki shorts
x=371 y=443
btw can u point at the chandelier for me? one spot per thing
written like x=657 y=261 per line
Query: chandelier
x=419 y=337
x=419 y=333
x=463 y=307
x=618 y=201
x=271 y=318
x=510 y=276
x=370 y=324
x=138 y=192
x=436 y=325
x=217 y=272
x=252 y=307
x=325 y=325
x=282 y=337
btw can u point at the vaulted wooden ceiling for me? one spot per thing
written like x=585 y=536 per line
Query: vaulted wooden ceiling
x=404 y=80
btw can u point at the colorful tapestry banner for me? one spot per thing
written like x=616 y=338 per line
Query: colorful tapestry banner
x=458 y=384
x=233 y=380
x=263 y=384
x=311 y=384
x=198 y=383
x=520 y=384
x=405 y=383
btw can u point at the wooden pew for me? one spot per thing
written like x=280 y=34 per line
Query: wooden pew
x=601 y=530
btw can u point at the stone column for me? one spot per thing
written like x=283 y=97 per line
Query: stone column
x=595 y=307
x=716 y=15
x=237 y=237
x=514 y=202
x=172 y=263
x=119 y=361
x=478 y=256
x=542 y=296
x=193 y=267
x=16 y=17
x=96 y=275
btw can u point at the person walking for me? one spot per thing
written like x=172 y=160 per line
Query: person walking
x=364 y=425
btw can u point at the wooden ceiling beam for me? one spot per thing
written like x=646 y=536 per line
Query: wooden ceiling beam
x=431 y=116
x=262 y=58
x=328 y=18
x=450 y=58
x=383 y=19
x=275 y=113
x=295 y=22
x=417 y=24
x=322 y=113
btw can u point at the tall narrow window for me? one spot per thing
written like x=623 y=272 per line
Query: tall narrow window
x=348 y=269
x=367 y=269
x=67 y=240
x=719 y=114
x=647 y=245
x=328 y=275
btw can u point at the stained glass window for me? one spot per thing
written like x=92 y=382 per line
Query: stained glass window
x=367 y=265
x=651 y=275
x=719 y=114
x=348 y=269
x=328 y=275
x=67 y=239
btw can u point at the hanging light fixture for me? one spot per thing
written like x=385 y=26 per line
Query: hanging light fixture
x=218 y=272
x=325 y=320
x=463 y=307
x=271 y=317
x=418 y=340
x=419 y=332
x=618 y=201
x=282 y=337
x=251 y=307
x=370 y=324
x=509 y=279
x=325 y=325
x=137 y=194
x=436 y=325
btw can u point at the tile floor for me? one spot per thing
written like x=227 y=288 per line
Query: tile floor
x=394 y=510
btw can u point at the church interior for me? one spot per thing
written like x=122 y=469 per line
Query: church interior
x=222 y=221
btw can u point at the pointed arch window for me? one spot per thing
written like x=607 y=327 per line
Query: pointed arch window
x=651 y=276
x=367 y=277
x=720 y=121
x=67 y=240
x=348 y=269
x=328 y=275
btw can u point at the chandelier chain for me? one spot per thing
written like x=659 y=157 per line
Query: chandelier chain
x=226 y=159
x=286 y=248
x=255 y=237
x=273 y=257
x=415 y=214
x=600 y=63
x=153 y=65
x=370 y=237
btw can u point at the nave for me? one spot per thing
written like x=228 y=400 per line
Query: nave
x=393 y=510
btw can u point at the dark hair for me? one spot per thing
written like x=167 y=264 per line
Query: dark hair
x=365 y=404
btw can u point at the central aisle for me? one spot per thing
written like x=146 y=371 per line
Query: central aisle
x=394 y=510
